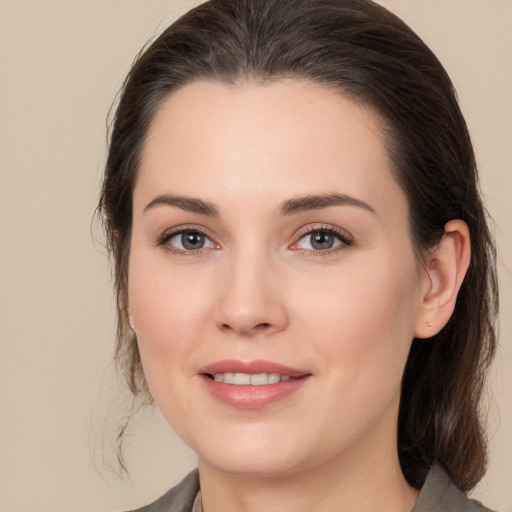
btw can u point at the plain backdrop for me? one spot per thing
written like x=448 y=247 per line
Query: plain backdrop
x=61 y=64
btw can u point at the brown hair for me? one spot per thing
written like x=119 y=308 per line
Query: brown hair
x=360 y=49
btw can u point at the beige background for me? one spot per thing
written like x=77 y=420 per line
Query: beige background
x=62 y=62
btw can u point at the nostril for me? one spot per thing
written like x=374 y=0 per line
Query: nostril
x=263 y=326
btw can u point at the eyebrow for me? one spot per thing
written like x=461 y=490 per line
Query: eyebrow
x=289 y=207
x=189 y=204
x=319 y=201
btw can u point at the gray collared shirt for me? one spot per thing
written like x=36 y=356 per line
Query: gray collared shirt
x=438 y=494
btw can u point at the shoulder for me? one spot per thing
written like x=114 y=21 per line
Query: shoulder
x=440 y=494
x=178 y=499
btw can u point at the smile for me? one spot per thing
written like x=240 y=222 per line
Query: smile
x=253 y=384
x=247 y=379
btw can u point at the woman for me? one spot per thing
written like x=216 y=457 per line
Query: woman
x=305 y=277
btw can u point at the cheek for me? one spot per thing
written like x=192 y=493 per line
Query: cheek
x=366 y=334
x=165 y=305
x=167 y=309
x=365 y=318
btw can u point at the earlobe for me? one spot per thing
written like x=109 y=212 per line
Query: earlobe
x=445 y=266
x=131 y=321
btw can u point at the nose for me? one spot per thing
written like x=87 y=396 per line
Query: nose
x=252 y=298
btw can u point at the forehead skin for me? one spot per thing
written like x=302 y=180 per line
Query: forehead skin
x=250 y=137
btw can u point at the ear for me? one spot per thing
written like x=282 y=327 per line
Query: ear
x=445 y=268
x=131 y=321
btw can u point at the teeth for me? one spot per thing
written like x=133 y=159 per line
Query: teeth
x=274 y=378
x=241 y=379
x=245 y=379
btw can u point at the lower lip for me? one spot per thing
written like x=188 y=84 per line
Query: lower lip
x=253 y=397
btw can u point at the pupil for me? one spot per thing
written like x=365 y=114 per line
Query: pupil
x=322 y=240
x=192 y=240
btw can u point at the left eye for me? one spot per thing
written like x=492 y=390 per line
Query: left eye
x=321 y=240
x=189 y=240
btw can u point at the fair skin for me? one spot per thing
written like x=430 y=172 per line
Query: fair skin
x=228 y=262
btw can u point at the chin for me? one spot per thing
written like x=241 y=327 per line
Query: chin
x=263 y=459
x=265 y=466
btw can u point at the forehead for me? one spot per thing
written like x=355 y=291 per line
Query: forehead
x=268 y=141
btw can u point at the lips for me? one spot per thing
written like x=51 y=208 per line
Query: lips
x=251 y=385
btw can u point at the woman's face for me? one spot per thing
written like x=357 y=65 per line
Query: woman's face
x=273 y=287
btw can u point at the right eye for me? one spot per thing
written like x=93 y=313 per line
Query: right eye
x=188 y=240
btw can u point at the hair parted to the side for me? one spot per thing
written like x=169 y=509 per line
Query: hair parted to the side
x=361 y=50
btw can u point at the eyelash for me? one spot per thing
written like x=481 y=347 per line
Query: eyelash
x=341 y=235
x=168 y=235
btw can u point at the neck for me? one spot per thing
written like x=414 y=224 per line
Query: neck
x=365 y=483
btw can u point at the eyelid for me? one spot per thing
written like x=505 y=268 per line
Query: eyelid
x=341 y=234
x=177 y=230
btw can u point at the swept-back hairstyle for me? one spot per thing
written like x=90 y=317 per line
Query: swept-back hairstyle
x=363 y=51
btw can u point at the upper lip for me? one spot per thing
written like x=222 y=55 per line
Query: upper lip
x=251 y=367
